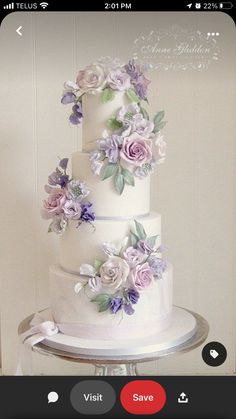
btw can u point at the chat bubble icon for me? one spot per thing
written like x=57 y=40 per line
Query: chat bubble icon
x=52 y=397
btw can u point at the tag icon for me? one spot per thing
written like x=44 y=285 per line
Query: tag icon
x=214 y=353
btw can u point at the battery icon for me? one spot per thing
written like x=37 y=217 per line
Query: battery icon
x=226 y=5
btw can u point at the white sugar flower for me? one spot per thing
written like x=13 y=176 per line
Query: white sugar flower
x=87 y=270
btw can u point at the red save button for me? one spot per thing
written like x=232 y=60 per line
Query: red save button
x=143 y=397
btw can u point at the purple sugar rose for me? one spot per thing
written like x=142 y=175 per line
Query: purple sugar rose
x=116 y=304
x=136 y=149
x=77 y=115
x=142 y=126
x=144 y=247
x=68 y=97
x=157 y=265
x=133 y=256
x=128 y=309
x=86 y=212
x=133 y=296
x=118 y=80
x=72 y=209
x=141 y=276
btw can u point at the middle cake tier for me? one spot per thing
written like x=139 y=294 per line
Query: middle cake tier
x=84 y=244
x=134 y=201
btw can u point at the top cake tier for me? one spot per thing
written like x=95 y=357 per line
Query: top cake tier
x=96 y=114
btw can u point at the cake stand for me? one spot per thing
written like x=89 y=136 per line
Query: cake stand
x=188 y=331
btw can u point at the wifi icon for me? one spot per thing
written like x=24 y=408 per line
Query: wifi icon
x=44 y=5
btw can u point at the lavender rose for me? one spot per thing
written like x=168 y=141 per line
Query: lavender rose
x=141 y=276
x=92 y=78
x=136 y=149
x=144 y=247
x=114 y=272
x=72 y=209
x=53 y=204
x=118 y=80
x=142 y=126
x=133 y=256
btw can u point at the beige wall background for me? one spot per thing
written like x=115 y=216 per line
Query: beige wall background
x=194 y=190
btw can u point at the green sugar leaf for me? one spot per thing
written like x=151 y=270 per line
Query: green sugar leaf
x=97 y=264
x=113 y=124
x=133 y=239
x=108 y=170
x=107 y=95
x=158 y=117
x=140 y=230
x=119 y=183
x=128 y=177
x=144 y=112
x=103 y=301
x=130 y=93
x=152 y=241
x=159 y=126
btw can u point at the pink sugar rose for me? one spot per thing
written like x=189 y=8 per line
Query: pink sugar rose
x=133 y=256
x=136 y=149
x=118 y=80
x=53 y=204
x=92 y=78
x=114 y=272
x=141 y=276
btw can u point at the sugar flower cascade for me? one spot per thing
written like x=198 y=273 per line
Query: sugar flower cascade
x=132 y=144
x=129 y=269
x=66 y=200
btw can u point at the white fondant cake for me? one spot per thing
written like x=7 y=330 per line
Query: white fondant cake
x=76 y=317
x=96 y=114
x=111 y=282
x=76 y=247
x=106 y=201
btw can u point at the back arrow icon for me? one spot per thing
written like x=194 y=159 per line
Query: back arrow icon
x=18 y=30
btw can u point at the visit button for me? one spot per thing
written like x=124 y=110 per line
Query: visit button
x=143 y=397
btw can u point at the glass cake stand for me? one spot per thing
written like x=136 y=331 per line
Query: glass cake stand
x=117 y=365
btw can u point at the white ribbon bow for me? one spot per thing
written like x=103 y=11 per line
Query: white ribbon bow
x=40 y=329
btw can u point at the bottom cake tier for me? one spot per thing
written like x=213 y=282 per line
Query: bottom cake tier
x=76 y=315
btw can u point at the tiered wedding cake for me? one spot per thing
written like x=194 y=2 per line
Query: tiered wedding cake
x=112 y=281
